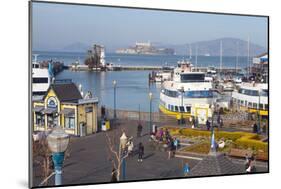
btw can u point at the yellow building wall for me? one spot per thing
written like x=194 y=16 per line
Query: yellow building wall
x=51 y=93
x=69 y=131
x=82 y=118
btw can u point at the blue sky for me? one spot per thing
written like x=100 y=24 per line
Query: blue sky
x=58 y=25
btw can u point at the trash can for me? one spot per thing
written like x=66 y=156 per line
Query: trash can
x=105 y=125
x=82 y=129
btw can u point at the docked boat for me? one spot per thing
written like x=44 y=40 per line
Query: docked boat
x=41 y=78
x=252 y=97
x=187 y=94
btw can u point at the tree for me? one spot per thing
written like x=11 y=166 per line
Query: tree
x=114 y=150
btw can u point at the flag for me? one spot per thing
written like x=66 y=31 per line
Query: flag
x=50 y=70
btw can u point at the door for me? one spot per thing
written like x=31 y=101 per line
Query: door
x=89 y=122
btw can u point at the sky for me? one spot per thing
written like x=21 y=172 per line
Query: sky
x=55 y=26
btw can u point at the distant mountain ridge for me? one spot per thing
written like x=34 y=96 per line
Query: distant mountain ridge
x=208 y=47
x=212 y=47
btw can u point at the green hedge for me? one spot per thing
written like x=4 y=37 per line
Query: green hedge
x=241 y=139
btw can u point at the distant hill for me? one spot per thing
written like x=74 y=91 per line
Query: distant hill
x=212 y=47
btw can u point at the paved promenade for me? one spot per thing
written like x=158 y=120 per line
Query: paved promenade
x=88 y=160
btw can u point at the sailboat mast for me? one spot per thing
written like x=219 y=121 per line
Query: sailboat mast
x=190 y=51
x=249 y=65
x=196 y=51
x=220 y=57
x=236 y=65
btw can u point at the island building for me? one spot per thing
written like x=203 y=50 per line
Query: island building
x=145 y=48
x=64 y=105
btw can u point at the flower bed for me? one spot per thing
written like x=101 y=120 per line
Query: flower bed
x=241 y=140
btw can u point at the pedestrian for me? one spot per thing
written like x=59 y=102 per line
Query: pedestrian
x=208 y=124
x=221 y=123
x=219 y=119
x=186 y=169
x=264 y=128
x=113 y=175
x=170 y=149
x=255 y=128
x=139 y=130
x=176 y=143
x=130 y=145
x=141 y=152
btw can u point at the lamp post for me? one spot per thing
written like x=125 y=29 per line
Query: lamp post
x=58 y=141
x=259 y=117
x=182 y=92
x=114 y=86
x=123 y=142
x=150 y=111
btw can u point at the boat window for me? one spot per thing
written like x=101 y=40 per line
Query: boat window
x=242 y=102
x=192 y=78
x=40 y=80
x=255 y=105
x=172 y=107
x=169 y=107
x=176 y=108
x=266 y=106
x=188 y=109
x=250 y=104
x=264 y=92
x=260 y=106
x=181 y=109
x=198 y=94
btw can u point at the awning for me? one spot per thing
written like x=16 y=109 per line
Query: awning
x=67 y=111
x=49 y=110
x=38 y=108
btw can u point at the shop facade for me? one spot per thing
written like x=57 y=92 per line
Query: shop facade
x=63 y=105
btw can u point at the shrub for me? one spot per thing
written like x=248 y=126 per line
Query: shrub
x=241 y=139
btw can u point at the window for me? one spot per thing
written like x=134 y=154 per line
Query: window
x=250 y=105
x=39 y=119
x=181 y=109
x=266 y=106
x=261 y=106
x=172 y=108
x=192 y=77
x=188 y=109
x=176 y=108
x=169 y=107
x=40 y=80
x=89 y=109
x=69 y=122
x=242 y=102
x=255 y=105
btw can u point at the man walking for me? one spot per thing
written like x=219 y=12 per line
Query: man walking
x=140 y=151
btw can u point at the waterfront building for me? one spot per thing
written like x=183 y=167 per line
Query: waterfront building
x=64 y=105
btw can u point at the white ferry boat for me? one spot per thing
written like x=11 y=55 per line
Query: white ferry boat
x=252 y=97
x=41 y=79
x=187 y=94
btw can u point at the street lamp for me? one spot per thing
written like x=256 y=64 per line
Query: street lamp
x=114 y=86
x=182 y=92
x=150 y=111
x=58 y=141
x=213 y=112
x=259 y=117
x=123 y=143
